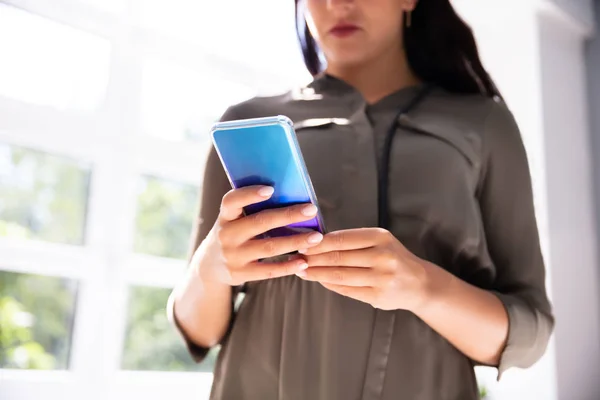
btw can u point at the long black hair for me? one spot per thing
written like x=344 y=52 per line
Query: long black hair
x=440 y=48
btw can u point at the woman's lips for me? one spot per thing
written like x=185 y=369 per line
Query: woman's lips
x=344 y=30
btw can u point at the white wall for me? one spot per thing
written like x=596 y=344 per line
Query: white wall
x=573 y=234
x=593 y=81
x=582 y=10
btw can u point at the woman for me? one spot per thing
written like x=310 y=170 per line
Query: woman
x=432 y=264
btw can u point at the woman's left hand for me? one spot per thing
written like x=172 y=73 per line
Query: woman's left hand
x=369 y=265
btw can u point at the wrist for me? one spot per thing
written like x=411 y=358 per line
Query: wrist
x=430 y=288
x=208 y=267
x=206 y=279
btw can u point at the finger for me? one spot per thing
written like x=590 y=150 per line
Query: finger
x=258 y=271
x=369 y=257
x=246 y=228
x=347 y=276
x=364 y=294
x=234 y=201
x=271 y=247
x=349 y=239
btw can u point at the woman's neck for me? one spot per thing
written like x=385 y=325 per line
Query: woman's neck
x=377 y=78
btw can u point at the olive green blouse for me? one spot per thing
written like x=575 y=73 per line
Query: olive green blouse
x=460 y=196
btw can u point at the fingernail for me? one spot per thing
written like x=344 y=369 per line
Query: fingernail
x=302 y=267
x=309 y=210
x=315 y=238
x=266 y=191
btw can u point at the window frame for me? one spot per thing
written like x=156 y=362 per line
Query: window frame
x=105 y=265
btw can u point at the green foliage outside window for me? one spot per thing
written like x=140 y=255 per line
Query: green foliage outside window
x=45 y=197
x=36 y=315
x=151 y=343
x=42 y=196
x=165 y=214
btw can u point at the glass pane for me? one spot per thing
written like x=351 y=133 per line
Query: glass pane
x=181 y=103
x=112 y=6
x=50 y=63
x=36 y=316
x=151 y=342
x=42 y=196
x=165 y=213
x=259 y=33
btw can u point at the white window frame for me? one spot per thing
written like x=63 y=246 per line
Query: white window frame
x=111 y=140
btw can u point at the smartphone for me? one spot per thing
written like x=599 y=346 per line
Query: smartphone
x=265 y=151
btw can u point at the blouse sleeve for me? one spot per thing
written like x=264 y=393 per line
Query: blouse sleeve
x=214 y=186
x=506 y=201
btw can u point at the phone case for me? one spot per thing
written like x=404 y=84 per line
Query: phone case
x=239 y=127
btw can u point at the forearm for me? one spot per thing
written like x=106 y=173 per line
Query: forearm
x=473 y=320
x=202 y=309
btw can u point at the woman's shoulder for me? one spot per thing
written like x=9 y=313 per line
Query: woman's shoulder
x=472 y=123
x=470 y=108
x=474 y=114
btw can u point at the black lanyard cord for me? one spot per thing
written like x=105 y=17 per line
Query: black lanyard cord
x=383 y=199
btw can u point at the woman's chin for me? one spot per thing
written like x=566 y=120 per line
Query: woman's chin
x=346 y=61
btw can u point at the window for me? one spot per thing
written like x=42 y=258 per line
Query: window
x=112 y=6
x=42 y=196
x=51 y=64
x=105 y=111
x=264 y=42
x=36 y=314
x=165 y=214
x=174 y=100
x=151 y=343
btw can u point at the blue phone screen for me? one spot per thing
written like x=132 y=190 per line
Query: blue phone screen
x=263 y=155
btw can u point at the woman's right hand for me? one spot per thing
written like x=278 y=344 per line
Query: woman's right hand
x=230 y=252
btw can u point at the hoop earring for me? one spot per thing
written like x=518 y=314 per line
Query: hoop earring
x=408 y=19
